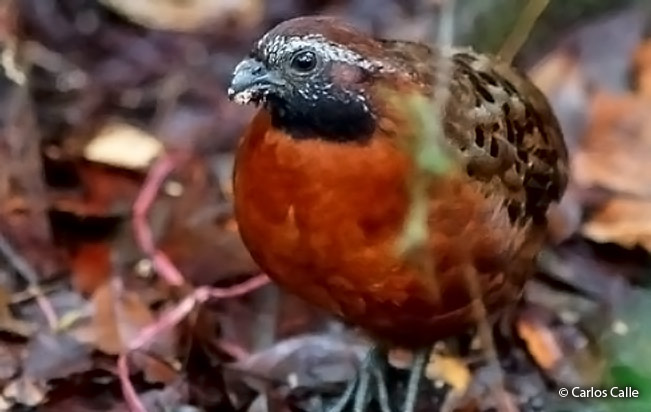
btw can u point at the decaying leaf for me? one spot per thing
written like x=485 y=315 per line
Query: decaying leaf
x=91 y=264
x=615 y=156
x=625 y=221
x=451 y=370
x=187 y=15
x=617 y=147
x=119 y=316
x=123 y=145
x=541 y=343
x=25 y=391
x=563 y=352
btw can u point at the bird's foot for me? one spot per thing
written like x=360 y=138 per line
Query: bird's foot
x=370 y=383
x=370 y=378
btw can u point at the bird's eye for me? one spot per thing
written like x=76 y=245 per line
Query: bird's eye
x=304 y=61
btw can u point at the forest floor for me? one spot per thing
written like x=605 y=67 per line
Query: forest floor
x=124 y=284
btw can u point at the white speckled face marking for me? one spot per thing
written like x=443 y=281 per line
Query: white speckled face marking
x=278 y=48
x=245 y=97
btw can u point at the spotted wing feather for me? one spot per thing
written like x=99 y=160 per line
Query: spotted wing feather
x=499 y=121
x=508 y=134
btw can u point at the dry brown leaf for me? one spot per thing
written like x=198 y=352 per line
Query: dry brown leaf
x=119 y=316
x=541 y=343
x=188 y=15
x=159 y=371
x=625 y=221
x=452 y=370
x=91 y=266
x=123 y=145
x=615 y=156
x=617 y=148
x=24 y=391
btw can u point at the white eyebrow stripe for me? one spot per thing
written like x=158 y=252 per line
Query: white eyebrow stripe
x=278 y=47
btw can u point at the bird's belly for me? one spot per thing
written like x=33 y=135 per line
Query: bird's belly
x=370 y=286
x=328 y=231
x=344 y=258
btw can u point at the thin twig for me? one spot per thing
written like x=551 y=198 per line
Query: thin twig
x=484 y=332
x=142 y=230
x=522 y=29
x=171 y=318
x=30 y=275
x=25 y=165
x=432 y=133
x=428 y=153
x=171 y=89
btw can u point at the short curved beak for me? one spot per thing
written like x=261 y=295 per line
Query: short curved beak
x=252 y=81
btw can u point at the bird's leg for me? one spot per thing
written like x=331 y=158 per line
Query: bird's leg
x=346 y=397
x=361 y=394
x=371 y=381
x=369 y=378
x=382 y=393
x=416 y=371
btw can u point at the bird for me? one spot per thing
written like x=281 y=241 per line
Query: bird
x=322 y=178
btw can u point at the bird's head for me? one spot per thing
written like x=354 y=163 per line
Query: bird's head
x=314 y=75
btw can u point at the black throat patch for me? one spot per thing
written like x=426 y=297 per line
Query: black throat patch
x=333 y=117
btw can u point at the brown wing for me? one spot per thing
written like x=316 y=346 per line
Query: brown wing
x=507 y=133
x=501 y=123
